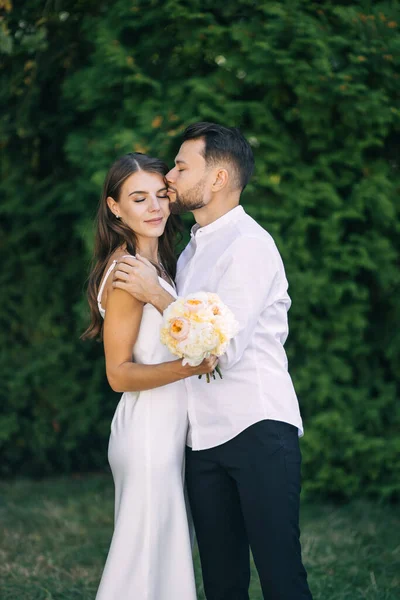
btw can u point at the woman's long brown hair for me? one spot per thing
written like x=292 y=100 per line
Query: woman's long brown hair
x=111 y=233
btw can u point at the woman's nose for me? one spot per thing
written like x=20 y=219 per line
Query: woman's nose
x=155 y=204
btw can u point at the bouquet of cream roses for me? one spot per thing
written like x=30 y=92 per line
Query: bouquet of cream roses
x=196 y=327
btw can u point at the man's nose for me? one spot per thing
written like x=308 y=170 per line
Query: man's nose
x=170 y=176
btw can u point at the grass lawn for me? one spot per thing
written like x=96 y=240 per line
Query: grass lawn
x=55 y=536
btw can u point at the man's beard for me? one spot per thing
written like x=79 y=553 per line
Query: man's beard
x=191 y=200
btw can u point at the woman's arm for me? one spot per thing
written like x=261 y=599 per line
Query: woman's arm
x=121 y=328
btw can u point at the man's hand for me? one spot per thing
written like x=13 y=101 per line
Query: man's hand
x=138 y=277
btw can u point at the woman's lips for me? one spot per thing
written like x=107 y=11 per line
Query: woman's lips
x=155 y=221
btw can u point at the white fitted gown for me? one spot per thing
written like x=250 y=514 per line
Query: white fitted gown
x=150 y=556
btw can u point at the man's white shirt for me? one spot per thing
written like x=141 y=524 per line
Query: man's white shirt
x=237 y=259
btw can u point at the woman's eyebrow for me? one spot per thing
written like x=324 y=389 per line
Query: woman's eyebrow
x=142 y=192
x=137 y=192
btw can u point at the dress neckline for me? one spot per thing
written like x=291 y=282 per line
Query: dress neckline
x=167 y=283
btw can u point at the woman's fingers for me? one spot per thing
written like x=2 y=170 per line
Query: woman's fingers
x=211 y=362
x=207 y=366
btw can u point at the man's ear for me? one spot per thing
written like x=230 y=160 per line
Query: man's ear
x=221 y=180
x=113 y=206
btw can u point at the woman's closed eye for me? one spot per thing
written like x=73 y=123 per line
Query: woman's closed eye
x=160 y=196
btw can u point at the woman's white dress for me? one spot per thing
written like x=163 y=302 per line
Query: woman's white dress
x=150 y=556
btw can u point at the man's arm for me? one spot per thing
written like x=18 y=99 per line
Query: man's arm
x=253 y=279
x=138 y=277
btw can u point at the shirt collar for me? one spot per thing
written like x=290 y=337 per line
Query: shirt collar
x=229 y=217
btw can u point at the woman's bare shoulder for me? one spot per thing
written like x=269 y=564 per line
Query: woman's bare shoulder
x=108 y=287
x=118 y=254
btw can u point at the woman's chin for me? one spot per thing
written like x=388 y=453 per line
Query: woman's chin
x=155 y=231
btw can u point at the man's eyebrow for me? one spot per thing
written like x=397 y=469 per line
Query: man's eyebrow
x=180 y=161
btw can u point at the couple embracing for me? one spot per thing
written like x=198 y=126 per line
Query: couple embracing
x=231 y=444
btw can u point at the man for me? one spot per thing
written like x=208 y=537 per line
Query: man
x=243 y=457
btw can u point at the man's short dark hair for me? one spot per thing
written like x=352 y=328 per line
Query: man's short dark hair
x=224 y=144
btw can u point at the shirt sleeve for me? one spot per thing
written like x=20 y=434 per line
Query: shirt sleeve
x=253 y=278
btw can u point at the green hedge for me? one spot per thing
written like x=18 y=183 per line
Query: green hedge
x=315 y=88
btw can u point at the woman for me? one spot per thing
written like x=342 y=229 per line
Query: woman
x=150 y=553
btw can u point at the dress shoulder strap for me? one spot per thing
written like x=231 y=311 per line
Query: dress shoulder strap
x=103 y=283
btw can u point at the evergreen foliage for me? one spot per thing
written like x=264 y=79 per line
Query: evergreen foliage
x=315 y=88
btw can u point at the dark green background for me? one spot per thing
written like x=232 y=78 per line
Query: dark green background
x=315 y=88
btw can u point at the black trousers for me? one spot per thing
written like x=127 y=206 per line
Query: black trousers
x=245 y=493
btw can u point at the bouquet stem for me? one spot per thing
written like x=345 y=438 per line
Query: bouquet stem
x=208 y=378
